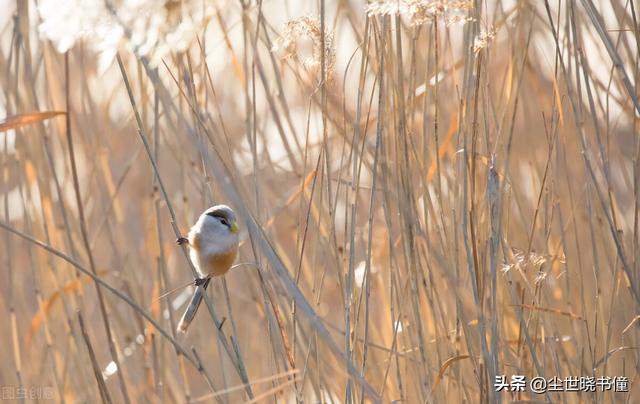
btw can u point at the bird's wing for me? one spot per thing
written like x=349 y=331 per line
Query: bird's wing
x=194 y=238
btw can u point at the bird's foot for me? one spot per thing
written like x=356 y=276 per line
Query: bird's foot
x=200 y=281
x=182 y=240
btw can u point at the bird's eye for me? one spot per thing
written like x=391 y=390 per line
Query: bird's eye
x=220 y=217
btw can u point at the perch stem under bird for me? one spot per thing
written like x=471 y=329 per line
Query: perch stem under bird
x=213 y=247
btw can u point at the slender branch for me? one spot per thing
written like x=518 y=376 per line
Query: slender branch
x=135 y=306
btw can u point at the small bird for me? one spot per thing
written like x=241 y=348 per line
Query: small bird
x=213 y=247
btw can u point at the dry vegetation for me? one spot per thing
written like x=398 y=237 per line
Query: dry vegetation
x=431 y=193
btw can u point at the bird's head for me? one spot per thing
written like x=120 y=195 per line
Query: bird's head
x=221 y=215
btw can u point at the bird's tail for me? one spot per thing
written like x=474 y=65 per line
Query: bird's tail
x=192 y=308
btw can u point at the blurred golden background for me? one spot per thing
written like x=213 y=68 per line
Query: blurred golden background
x=431 y=193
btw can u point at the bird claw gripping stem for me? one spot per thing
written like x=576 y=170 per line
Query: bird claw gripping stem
x=181 y=241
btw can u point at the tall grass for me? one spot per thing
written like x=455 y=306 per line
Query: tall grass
x=432 y=194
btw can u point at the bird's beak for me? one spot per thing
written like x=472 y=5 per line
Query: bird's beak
x=234 y=227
